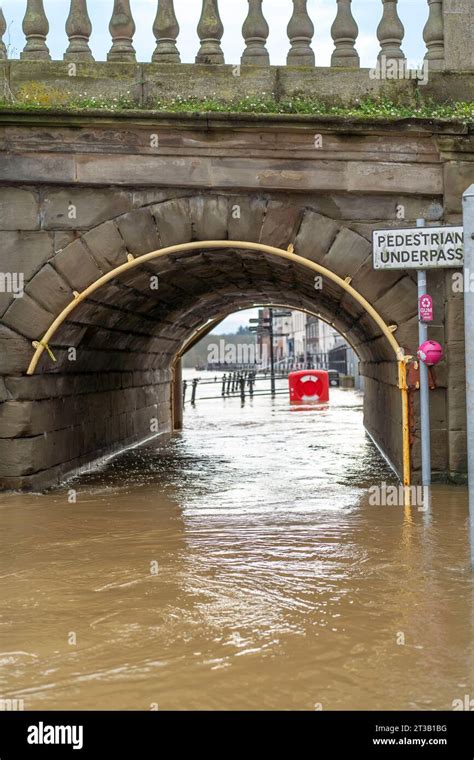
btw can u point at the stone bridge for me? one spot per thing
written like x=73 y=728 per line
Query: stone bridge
x=92 y=327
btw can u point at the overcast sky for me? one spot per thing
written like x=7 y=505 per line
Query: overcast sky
x=233 y=12
x=278 y=12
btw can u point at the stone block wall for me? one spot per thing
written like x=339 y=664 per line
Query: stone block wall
x=52 y=425
x=55 y=422
x=68 y=219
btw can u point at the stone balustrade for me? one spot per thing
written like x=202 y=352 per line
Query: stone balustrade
x=444 y=33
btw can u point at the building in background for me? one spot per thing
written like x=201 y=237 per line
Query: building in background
x=320 y=339
x=325 y=348
x=299 y=337
x=301 y=341
x=281 y=338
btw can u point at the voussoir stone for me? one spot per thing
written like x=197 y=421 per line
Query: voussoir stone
x=281 y=224
x=76 y=265
x=139 y=231
x=347 y=254
x=315 y=236
x=209 y=217
x=50 y=290
x=27 y=317
x=173 y=221
x=5 y=301
x=106 y=246
x=246 y=215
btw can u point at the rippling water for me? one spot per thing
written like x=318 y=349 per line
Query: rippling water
x=238 y=565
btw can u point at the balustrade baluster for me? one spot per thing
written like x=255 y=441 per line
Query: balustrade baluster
x=255 y=31
x=166 y=30
x=300 y=32
x=122 y=28
x=390 y=32
x=344 y=32
x=210 y=31
x=433 y=35
x=78 y=30
x=35 y=28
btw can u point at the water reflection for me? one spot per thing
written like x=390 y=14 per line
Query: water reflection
x=237 y=565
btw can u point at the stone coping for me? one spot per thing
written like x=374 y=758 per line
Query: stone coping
x=101 y=117
x=147 y=81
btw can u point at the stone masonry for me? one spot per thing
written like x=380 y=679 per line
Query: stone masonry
x=80 y=193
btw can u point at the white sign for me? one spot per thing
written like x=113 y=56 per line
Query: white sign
x=419 y=248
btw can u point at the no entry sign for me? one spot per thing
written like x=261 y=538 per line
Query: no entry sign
x=419 y=248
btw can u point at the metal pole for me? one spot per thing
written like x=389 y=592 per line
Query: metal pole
x=251 y=382
x=242 y=388
x=272 y=357
x=424 y=385
x=178 y=395
x=468 y=211
x=193 y=392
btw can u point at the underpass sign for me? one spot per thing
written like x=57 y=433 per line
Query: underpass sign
x=419 y=248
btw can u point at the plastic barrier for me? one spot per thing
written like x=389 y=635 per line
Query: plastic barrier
x=309 y=385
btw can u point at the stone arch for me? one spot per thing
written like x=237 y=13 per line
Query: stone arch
x=125 y=339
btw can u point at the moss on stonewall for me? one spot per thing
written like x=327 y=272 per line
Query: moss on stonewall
x=368 y=108
x=37 y=97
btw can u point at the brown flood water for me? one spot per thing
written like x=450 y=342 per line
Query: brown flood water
x=238 y=565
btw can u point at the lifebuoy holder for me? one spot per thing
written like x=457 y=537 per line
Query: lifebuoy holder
x=309 y=385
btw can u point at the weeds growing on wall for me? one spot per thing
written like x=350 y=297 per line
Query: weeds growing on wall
x=37 y=96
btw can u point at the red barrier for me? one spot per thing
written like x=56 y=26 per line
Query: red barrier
x=309 y=385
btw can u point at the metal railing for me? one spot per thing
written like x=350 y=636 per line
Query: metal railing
x=231 y=385
x=255 y=31
x=245 y=384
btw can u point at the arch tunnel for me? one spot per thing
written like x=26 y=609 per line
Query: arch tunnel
x=115 y=309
